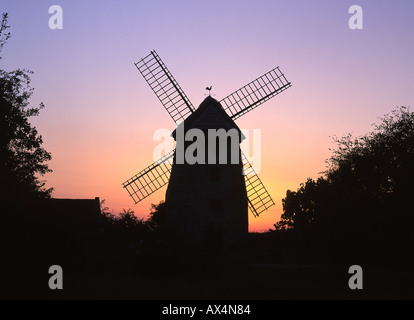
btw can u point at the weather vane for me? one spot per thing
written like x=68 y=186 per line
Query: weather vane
x=209 y=90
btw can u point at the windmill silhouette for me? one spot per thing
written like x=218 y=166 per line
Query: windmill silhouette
x=206 y=202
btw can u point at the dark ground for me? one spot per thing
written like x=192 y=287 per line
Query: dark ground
x=174 y=279
x=255 y=282
x=99 y=265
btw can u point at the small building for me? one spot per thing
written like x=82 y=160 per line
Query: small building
x=60 y=230
x=41 y=233
x=79 y=212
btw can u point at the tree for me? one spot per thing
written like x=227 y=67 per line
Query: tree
x=4 y=36
x=364 y=196
x=305 y=206
x=22 y=157
x=156 y=218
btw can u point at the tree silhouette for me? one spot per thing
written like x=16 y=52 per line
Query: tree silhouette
x=22 y=157
x=156 y=217
x=4 y=36
x=363 y=199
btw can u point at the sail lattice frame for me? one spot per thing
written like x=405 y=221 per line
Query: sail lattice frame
x=258 y=198
x=165 y=87
x=255 y=93
x=149 y=180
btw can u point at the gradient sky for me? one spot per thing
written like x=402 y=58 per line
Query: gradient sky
x=100 y=114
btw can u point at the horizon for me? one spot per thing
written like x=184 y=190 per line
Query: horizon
x=100 y=115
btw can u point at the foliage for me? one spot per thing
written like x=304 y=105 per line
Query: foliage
x=4 y=35
x=364 y=196
x=22 y=157
x=128 y=220
x=156 y=218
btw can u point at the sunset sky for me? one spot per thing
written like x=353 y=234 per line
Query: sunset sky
x=100 y=114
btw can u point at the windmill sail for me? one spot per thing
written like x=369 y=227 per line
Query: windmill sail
x=179 y=108
x=157 y=175
x=258 y=198
x=255 y=93
x=165 y=87
x=149 y=180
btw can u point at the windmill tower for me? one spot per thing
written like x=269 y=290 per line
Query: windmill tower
x=206 y=202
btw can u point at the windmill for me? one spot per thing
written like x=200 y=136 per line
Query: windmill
x=198 y=201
